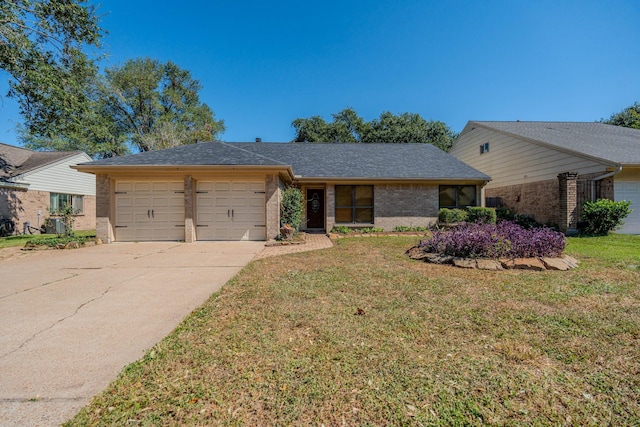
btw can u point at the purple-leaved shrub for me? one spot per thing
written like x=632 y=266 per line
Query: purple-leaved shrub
x=503 y=240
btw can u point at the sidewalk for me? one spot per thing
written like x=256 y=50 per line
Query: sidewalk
x=313 y=242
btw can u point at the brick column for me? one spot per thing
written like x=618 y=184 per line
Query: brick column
x=330 y=203
x=272 y=198
x=104 y=229
x=568 y=202
x=189 y=228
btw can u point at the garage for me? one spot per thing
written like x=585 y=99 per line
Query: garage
x=149 y=211
x=230 y=210
x=629 y=190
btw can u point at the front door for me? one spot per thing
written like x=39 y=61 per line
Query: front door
x=315 y=208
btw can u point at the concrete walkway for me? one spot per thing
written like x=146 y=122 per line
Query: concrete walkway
x=313 y=242
x=72 y=319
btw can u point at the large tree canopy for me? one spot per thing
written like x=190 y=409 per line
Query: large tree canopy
x=629 y=117
x=157 y=105
x=143 y=105
x=347 y=127
x=43 y=45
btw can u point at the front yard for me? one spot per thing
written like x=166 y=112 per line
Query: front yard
x=361 y=335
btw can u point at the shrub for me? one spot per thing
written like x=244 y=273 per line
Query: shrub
x=450 y=216
x=402 y=228
x=524 y=220
x=291 y=207
x=480 y=214
x=502 y=240
x=368 y=230
x=604 y=215
x=342 y=229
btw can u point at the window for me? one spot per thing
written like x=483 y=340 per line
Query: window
x=354 y=204
x=457 y=196
x=58 y=201
x=484 y=148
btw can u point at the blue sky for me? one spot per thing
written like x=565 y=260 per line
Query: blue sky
x=264 y=64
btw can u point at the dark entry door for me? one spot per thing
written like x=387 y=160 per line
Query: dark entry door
x=315 y=208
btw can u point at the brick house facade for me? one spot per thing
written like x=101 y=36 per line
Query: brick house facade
x=233 y=191
x=34 y=185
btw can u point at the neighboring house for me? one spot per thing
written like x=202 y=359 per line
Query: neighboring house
x=35 y=184
x=549 y=169
x=232 y=191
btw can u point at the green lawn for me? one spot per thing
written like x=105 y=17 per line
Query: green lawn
x=361 y=335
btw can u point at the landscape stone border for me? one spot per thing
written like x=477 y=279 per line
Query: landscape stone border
x=563 y=263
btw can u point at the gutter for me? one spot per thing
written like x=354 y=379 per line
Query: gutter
x=14 y=185
x=601 y=177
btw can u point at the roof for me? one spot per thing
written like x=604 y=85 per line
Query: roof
x=16 y=161
x=606 y=142
x=323 y=161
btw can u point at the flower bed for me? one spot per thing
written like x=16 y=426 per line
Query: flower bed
x=503 y=240
x=494 y=247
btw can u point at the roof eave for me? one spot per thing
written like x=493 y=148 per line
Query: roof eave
x=309 y=179
x=97 y=169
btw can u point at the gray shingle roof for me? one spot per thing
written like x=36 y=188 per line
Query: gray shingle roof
x=17 y=160
x=607 y=142
x=373 y=161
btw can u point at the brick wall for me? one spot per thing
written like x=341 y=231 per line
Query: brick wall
x=104 y=229
x=541 y=200
x=405 y=204
x=23 y=206
x=330 y=195
x=189 y=202
x=273 y=197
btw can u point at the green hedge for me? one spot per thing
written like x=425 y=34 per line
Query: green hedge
x=604 y=215
x=480 y=214
x=451 y=216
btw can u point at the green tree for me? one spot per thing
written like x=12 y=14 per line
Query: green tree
x=157 y=105
x=629 y=117
x=347 y=127
x=43 y=49
x=409 y=127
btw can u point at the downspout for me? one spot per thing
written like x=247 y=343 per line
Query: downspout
x=601 y=177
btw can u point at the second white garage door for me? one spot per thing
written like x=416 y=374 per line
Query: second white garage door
x=629 y=190
x=149 y=211
x=230 y=210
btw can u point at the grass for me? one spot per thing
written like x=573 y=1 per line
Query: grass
x=20 y=240
x=361 y=335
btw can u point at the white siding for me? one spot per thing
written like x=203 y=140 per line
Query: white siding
x=58 y=177
x=515 y=161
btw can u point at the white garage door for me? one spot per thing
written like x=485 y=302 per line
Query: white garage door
x=230 y=210
x=149 y=211
x=629 y=190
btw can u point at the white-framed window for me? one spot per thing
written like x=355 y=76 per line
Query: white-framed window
x=58 y=201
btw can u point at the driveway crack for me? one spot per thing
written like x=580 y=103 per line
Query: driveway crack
x=57 y=322
x=39 y=286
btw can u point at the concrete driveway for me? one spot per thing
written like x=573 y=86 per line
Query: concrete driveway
x=70 y=320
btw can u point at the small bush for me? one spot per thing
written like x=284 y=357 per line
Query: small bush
x=404 y=228
x=524 y=220
x=480 y=214
x=604 y=215
x=341 y=229
x=291 y=207
x=368 y=230
x=504 y=240
x=450 y=216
